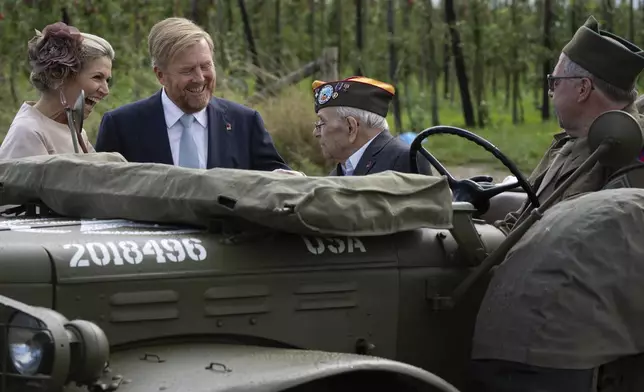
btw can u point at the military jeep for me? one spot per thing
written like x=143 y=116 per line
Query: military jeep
x=109 y=291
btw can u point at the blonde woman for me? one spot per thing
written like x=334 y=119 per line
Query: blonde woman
x=63 y=62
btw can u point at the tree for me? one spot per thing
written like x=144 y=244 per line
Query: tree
x=459 y=63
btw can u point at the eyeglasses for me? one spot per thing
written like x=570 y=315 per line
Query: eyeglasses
x=318 y=125
x=553 y=79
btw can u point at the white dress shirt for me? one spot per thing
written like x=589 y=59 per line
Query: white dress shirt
x=349 y=166
x=199 y=130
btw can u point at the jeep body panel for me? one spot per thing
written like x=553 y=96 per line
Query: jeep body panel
x=368 y=295
x=26 y=273
x=211 y=367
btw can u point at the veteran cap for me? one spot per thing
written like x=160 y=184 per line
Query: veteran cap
x=595 y=51
x=356 y=92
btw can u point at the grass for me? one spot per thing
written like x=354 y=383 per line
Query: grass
x=524 y=143
x=289 y=118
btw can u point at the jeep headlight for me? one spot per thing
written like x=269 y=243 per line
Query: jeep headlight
x=42 y=349
x=27 y=341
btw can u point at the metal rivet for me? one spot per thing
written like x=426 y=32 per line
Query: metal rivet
x=220 y=323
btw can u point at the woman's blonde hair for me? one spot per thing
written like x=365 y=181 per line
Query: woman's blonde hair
x=61 y=52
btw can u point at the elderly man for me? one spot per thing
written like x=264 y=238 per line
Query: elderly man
x=596 y=72
x=183 y=124
x=353 y=131
x=540 y=298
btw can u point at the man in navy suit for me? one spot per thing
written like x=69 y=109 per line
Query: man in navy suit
x=183 y=124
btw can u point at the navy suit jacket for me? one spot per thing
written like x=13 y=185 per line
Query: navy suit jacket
x=386 y=153
x=237 y=138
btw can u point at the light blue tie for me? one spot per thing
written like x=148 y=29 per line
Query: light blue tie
x=348 y=168
x=188 y=156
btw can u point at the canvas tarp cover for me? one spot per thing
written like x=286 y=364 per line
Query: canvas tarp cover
x=570 y=293
x=105 y=186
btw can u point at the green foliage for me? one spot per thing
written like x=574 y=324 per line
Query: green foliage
x=510 y=33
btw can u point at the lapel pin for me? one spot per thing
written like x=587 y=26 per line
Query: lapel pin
x=229 y=127
x=369 y=164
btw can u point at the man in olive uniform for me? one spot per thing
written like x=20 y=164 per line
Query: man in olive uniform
x=522 y=338
x=352 y=129
x=596 y=72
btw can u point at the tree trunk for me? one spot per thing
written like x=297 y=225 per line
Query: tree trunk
x=459 y=63
x=547 y=44
x=514 y=67
x=573 y=17
x=406 y=67
x=337 y=24
x=65 y=16
x=446 y=60
x=607 y=11
x=250 y=41
x=495 y=60
x=432 y=66
x=278 y=38
x=508 y=86
x=631 y=22
x=194 y=12
x=324 y=26
x=446 y=65
x=222 y=59
x=314 y=50
x=229 y=15
x=478 y=65
x=393 y=64
x=359 y=37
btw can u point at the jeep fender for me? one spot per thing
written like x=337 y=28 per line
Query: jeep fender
x=209 y=367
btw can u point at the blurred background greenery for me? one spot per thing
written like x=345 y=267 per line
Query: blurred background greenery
x=477 y=64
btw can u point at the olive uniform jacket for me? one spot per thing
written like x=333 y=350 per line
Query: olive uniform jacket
x=559 y=299
x=562 y=158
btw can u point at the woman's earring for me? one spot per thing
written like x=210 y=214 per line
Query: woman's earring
x=63 y=100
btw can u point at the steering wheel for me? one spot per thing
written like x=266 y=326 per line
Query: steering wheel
x=469 y=190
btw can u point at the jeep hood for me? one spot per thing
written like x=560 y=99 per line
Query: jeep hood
x=209 y=367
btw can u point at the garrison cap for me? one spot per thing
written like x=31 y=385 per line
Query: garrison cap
x=357 y=92
x=595 y=51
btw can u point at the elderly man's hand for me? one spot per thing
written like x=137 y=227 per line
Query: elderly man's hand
x=291 y=172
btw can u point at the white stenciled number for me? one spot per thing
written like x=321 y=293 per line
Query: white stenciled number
x=152 y=248
x=131 y=252
x=102 y=254
x=116 y=255
x=195 y=250
x=98 y=253
x=77 y=260
x=176 y=247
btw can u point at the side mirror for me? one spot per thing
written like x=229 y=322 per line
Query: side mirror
x=42 y=348
x=623 y=135
x=75 y=118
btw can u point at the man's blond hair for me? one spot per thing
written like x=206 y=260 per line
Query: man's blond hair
x=173 y=35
